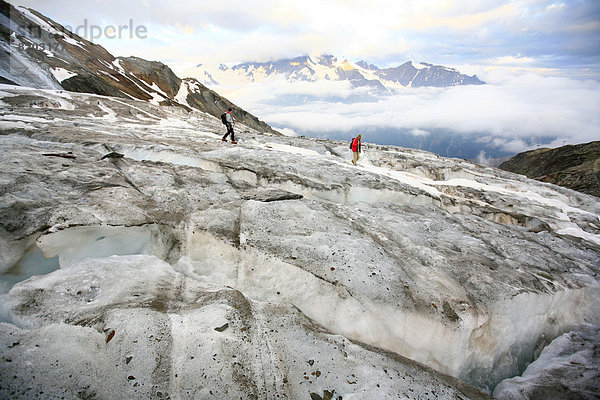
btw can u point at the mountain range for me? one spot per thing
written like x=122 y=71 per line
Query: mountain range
x=329 y=67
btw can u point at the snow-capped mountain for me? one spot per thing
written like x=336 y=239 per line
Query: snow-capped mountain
x=39 y=52
x=328 y=67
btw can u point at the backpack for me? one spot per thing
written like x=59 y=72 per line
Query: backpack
x=224 y=118
x=352 y=142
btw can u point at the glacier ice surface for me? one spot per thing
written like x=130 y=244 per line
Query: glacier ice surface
x=463 y=268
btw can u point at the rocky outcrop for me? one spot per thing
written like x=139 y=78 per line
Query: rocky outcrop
x=39 y=52
x=153 y=73
x=572 y=166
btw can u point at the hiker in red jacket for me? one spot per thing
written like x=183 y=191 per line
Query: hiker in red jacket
x=355 y=148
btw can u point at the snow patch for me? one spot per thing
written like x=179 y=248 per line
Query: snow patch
x=111 y=115
x=419 y=65
x=291 y=149
x=43 y=24
x=182 y=94
x=159 y=90
x=109 y=75
x=156 y=98
x=117 y=63
x=73 y=42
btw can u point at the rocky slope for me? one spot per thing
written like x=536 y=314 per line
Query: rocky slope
x=38 y=52
x=574 y=166
x=141 y=255
x=328 y=67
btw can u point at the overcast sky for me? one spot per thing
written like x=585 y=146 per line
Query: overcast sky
x=547 y=36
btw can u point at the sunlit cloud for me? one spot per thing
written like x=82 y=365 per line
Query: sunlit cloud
x=455 y=17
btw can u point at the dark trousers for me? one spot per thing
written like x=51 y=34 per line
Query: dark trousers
x=229 y=131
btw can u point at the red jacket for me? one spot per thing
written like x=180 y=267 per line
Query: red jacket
x=356 y=144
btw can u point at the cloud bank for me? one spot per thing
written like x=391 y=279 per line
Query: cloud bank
x=514 y=113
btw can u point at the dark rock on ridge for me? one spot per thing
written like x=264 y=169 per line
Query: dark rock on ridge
x=571 y=166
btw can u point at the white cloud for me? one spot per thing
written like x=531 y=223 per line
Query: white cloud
x=265 y=91
x=483 y=160
x=286 y=131
x=509 y=111
x=419 y=132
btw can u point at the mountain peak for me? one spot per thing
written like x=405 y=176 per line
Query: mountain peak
x=347 y=65
x=366 y=65
x=328 y=67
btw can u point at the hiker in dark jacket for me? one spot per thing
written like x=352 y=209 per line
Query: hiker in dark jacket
x=355 y=148
x=229 y=122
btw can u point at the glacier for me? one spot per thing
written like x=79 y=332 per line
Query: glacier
x=274 y=268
